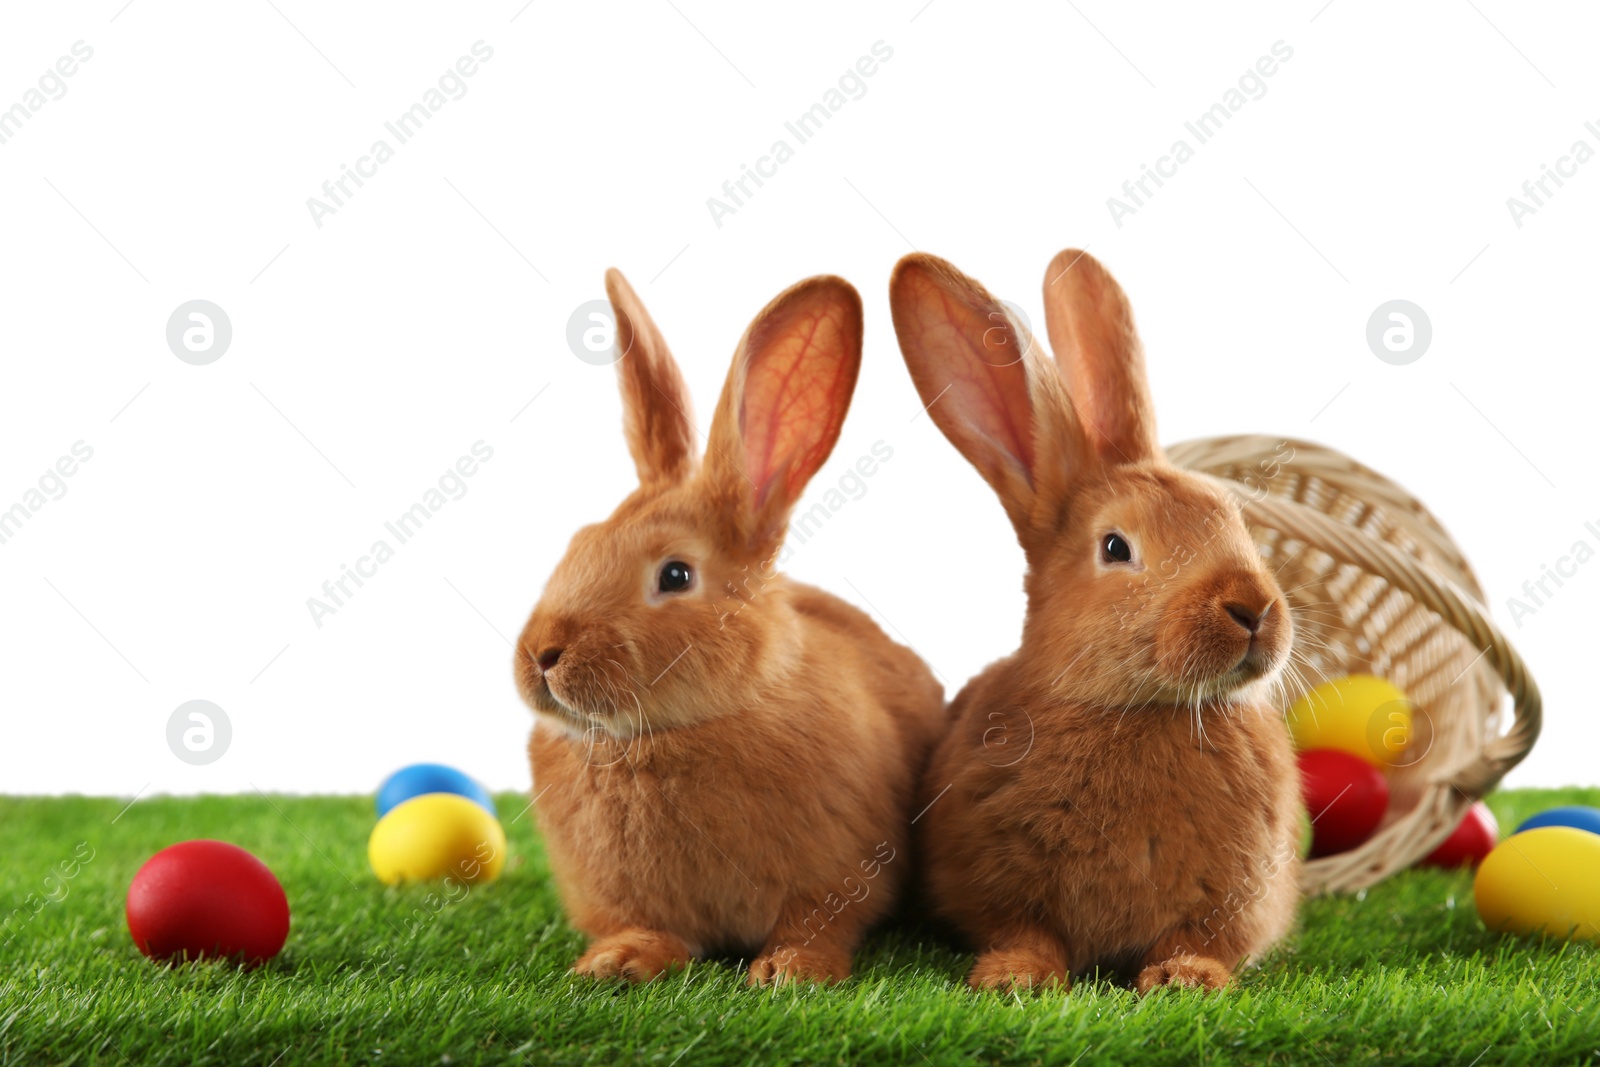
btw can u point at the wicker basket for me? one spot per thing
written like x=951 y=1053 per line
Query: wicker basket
x=1377 y=586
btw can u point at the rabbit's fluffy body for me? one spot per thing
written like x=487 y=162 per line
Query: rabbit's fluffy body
x=1120 y=792
x=728 y=768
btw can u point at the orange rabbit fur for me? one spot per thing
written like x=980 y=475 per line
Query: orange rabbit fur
x=1120 y=792
x=724 y=761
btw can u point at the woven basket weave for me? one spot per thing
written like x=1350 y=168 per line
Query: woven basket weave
x=1377 y=587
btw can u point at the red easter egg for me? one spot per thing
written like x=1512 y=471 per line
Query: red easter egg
x=200 y=899
x=1472 y=840
x=1345 y=796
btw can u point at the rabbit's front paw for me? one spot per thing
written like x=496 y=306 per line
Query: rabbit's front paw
x=784 y=965
x=1008 y=970
x=634 y=955
x=1189 y=972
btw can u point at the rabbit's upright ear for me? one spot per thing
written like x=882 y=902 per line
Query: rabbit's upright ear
x=1091 y=329
x=783 y=405
x=655 y=403
x=986 y=385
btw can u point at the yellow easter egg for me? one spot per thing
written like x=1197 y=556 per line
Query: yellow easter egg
x=437 y=836
x=1542 y=881
x=1359 y=714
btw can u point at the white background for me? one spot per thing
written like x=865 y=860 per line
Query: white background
x=426 y=313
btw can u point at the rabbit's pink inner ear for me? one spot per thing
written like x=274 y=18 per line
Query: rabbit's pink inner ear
x=803 y=354
x=968 y=364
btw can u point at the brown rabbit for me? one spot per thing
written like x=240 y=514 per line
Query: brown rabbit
x=724 y=761
x=1120 y=792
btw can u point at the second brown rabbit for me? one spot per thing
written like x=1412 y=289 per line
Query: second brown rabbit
x=723 y=760
x=1121 y=791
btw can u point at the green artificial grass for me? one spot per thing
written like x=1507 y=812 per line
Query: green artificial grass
x=1404 y=972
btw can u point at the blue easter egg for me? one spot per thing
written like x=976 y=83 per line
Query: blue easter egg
x=422 y=778
x=1574 y=815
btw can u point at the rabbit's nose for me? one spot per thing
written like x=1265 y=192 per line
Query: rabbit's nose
x=1247 y=617
x=549 y=657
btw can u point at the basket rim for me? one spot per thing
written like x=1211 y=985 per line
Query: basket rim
x=1347 y=473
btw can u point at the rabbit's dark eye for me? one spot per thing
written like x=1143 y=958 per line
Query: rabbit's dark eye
x=1114 y=548
x=675 y=577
